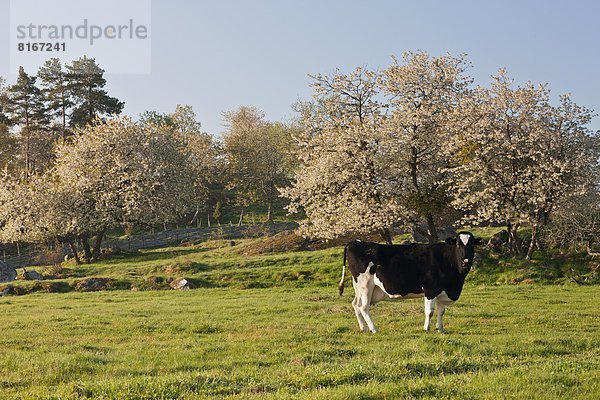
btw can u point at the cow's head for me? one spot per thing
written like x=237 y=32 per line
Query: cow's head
x=464 y=247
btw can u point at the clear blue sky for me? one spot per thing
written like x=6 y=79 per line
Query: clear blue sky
x=218 y=55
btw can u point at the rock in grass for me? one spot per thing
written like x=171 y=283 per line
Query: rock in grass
x=7 y=273
x=31 y=276
x=181 y=284
x=34 y=276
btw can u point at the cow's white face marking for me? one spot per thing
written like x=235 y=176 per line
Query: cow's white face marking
x=464 y=238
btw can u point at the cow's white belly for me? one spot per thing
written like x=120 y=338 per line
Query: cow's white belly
x=443 y=298
x=386 y=296
x=406 y=296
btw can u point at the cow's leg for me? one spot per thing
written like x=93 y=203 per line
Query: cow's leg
x=366 y=284
x=355 y=304
x=361 y=321
x=441 y=309
x=364 y=307
x=442 y=301
x=429 y=309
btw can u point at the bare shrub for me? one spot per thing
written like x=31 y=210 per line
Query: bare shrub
x=575 y=226
x=49 y=257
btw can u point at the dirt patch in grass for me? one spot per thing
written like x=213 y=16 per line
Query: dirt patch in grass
x=95 y=284
x=37 y=286
x=290 y=241
x=280 y=243
x=154 y=283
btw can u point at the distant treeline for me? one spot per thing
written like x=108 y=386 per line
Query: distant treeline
x=416 y=144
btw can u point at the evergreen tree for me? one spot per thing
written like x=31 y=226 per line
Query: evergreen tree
x=56 y=95
x=24 y=106
x=3 y=99
x=85 y=81
x=8 y=149
x=7 y=141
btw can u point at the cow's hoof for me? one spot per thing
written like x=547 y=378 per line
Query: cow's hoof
x=426 y=328
x=442 y=331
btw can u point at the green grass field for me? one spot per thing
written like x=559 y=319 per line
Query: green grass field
x=273 y=326
x=508 y=342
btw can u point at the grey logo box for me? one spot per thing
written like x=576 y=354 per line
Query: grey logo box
x=116 y=33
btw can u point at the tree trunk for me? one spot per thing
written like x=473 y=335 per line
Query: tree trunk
x=432 y=235
x=241 y=217
x=74 y=251
x=386 y=235
x=514 y=242
x=83 y=240
x=541 y=218
x=64 y=121
x=27 y=139
x=269 y=213
x=533 y=244
x=27 y=160
x=97 y=244
x=195 y=216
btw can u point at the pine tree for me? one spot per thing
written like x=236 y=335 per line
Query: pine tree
x=8 y=149
x=56 y=95
x=3 y=99
x=85 y=81
x=8 y=143
x=25 y=108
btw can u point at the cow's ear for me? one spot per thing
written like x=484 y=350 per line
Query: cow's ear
x=451 y=241
x=477 y=241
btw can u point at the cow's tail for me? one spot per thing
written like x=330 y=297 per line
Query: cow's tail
x=341 y=284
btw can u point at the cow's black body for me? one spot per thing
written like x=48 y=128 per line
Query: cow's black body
x=387 y=272
x=411 y=268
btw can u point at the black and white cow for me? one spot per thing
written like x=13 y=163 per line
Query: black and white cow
x=436 y=272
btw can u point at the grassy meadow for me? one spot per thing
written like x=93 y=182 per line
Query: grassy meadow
x=272 y=326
